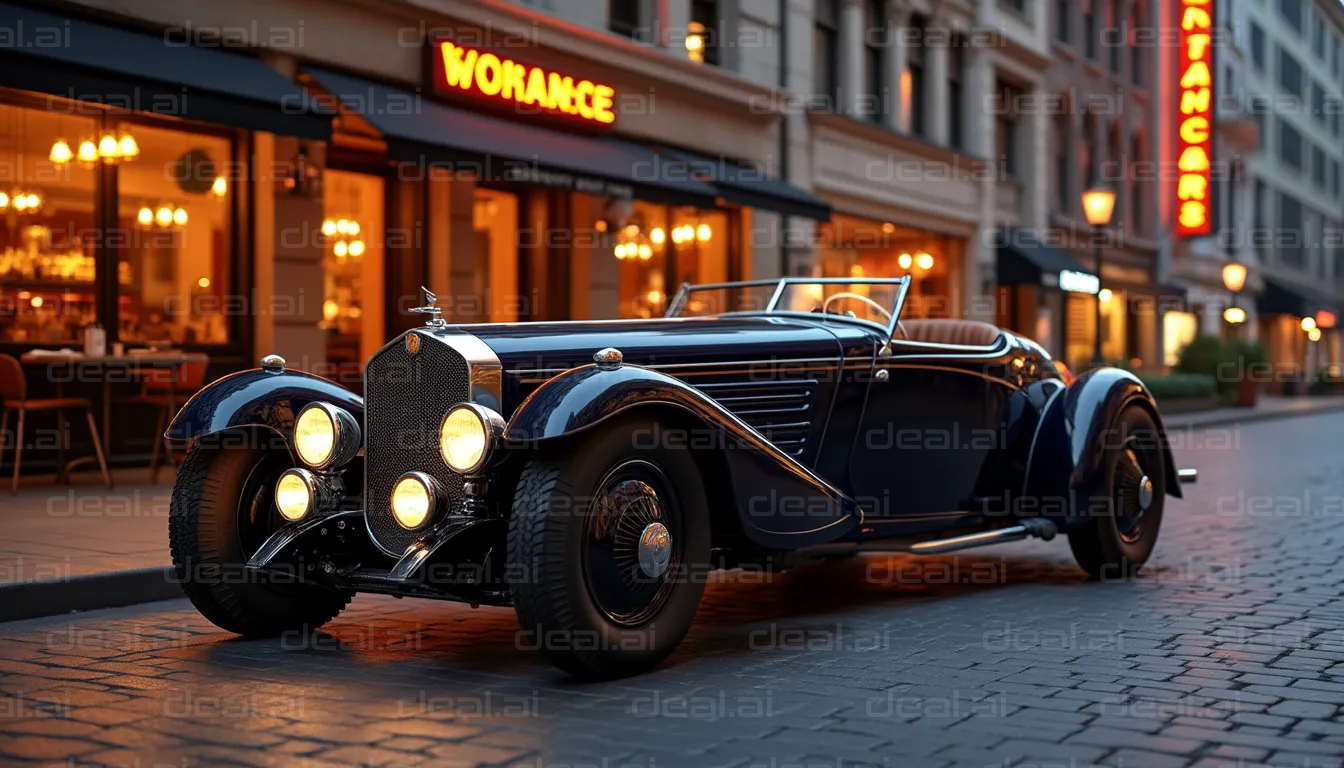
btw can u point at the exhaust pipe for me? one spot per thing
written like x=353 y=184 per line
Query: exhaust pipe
x=1032 y=527
x=1187 y=476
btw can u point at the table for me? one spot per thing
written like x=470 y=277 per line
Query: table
x=78 y=367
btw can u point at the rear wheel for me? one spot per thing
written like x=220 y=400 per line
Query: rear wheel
x=608 y=543
x=222 y=511
x=1124 y=519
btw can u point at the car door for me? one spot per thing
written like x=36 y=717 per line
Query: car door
x=928 y=426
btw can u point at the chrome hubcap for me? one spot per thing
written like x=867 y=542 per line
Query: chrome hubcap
x=1145 y=493
x=655 y=550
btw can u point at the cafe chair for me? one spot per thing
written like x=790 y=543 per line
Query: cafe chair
x=157 y=390
x=14 y=390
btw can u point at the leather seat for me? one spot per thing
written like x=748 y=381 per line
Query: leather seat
x=961 y=333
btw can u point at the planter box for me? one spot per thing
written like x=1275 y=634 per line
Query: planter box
x=1187 y=404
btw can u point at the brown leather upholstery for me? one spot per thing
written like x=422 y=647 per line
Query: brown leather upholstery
x=963 y=333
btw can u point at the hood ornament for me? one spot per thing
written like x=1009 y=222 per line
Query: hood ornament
x=428 y=308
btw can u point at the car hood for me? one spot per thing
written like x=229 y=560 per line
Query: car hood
x=557 y=346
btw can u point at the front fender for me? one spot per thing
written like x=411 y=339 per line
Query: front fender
x=1067 y=454
x=780 y=503
x=258 y=398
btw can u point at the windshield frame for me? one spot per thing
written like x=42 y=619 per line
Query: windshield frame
x=783 y=283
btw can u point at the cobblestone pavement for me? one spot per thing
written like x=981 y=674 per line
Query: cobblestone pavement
x=1228 y=652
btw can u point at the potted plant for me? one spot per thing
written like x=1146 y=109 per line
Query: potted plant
x=1248 y=356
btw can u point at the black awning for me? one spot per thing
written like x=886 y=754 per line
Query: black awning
x=1022 y=258
x=1283 y=298
x=749 y=186
x=150 y=73
x=421 y=131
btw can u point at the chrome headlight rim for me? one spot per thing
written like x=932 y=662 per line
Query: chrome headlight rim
x=346 y=438
x=310 y=484
x=432 y=489
x=492 y=424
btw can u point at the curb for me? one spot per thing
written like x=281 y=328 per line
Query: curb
x=36 y=599
x=1253 y=416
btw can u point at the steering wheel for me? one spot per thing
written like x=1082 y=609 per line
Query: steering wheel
x=860 y=297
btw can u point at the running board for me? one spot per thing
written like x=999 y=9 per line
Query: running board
x=1187 y=476
x=1032 y=527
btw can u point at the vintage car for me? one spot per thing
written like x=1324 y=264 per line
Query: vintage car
x=591 y=473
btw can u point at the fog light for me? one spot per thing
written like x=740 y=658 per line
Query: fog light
x=294 y=493
x=413 y=499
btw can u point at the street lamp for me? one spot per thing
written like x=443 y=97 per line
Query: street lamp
x=1234 y=279
x=1098 y=205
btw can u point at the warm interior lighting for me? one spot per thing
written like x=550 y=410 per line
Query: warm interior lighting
x=703 y=233
x=36 y=302
x=61 y=152
x=1314 y=334
x=657 y=236
x=1105 y=295
x=328 y=228
x=88 y=152
x=924 y=261
x=109 y=149
x=357 y=248
x=905 y=260
x=221 y=187
x=1325 y=319
x=164 y=216
x=1098 y=206
x=1234 y=315
x=600 y=225
x=340 y=249
x=645 y=252
x=888 y=228
x=180 y=217
x=204 y=282
x=330 y=309
x=1308 y=324
x=145 y=217
x=127 y=146
x=1234 y=276
x=695 y=42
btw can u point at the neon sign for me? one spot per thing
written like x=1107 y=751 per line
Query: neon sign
x=484 y=75
x=1194 y=135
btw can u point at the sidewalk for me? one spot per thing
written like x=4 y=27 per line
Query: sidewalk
x=1266 y=407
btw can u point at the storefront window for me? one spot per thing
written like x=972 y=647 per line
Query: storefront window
x=660 y=248
x=173 y=273
x=352 y=267
x=1178 y=330
x=491 y=293
x=46 y=226
x=853 y=247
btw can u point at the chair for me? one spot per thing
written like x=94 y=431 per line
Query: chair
x=14 y=390
x=159 y=389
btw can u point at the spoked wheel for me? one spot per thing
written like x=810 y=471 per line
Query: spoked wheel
x=605 y=542
x=1122 y=529
x=221 y=513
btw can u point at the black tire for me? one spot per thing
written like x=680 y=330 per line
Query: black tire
x=573 y=515
x=1120 y=535
x=220 y=514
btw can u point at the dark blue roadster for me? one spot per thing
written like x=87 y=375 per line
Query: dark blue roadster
x=590 y=473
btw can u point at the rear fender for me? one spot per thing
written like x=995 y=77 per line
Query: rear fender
x=780 y=503
x=1066 y=460
x=258 y=398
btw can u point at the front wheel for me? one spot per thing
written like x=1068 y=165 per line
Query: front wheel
x=608 y=543
x=1122 y=524
x=222 y=511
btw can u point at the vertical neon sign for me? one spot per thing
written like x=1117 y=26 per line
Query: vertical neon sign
x=1194 y=139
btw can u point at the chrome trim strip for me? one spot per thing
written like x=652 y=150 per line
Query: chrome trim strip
x=670 y=366
x=950 y=369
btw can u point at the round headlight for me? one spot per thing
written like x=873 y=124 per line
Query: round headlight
x=468 y=435
x=294 y=494
x=325 y=436
x=413 y=499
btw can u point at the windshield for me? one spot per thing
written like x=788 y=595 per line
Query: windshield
x=874 y=300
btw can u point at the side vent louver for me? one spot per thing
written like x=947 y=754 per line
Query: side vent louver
x=779 y=410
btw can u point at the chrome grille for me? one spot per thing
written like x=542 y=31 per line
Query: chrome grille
x=779 y=410
x=405 y=397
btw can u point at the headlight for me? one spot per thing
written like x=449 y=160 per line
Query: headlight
x=468 y=435
x=413 y=499
x=325 y=436
x=294 y=494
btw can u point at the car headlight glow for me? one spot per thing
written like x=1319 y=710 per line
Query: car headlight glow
x=413 y=499
x=294 y=494
x=326 y=437
x=468 y=435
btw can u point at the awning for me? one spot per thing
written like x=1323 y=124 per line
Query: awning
x=748 y=186
x=140 y=72
x=421 y=131
x=1283 y=298
x=1022 y=258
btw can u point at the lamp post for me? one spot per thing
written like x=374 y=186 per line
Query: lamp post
x=1098 y=205
x=1234 y=279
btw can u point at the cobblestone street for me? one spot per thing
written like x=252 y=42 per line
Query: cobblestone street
x=1228 y=651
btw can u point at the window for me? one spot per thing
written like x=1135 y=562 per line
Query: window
x=956 y=74
x=1318 y=166
x=1290 y=144
x=1259 y=238
x=914 y=74
x=1318 y=102
x=1061 y=136
x=1334 y=178
x=824 y=79
x=1112 y=37
x=1007 y=127
x=1138 y=183
x=48 y=272
x=644 y=283
x=624 y=17
x=1088 y=159
x=1291 y=10
x=1317 y=35
x=352 y=270
x=1139 y=43
x=1064 y=20
x=874 y=45
x=1257 y=47
x=1290 y=73
x=1288 y=233
x=1090 y=28
x=704 y=25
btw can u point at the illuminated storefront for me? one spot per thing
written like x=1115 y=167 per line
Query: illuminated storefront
x=850 y=246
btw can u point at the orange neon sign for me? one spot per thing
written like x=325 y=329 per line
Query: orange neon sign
x=484 y=75
x=1194 y=133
